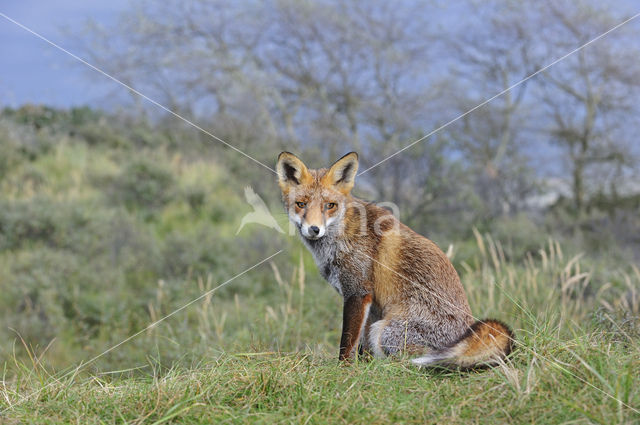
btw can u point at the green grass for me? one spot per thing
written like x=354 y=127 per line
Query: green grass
x=313 y=388
x=273 y=359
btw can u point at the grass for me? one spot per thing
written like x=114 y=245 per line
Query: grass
x=272 y=358
x=313 y=388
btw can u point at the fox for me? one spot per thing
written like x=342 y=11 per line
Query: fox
x=401 y=293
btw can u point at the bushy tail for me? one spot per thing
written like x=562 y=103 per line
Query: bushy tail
x=485 y=343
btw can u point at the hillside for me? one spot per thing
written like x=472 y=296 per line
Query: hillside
x=109 y=224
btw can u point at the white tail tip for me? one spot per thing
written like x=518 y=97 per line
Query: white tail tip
x=429 y=359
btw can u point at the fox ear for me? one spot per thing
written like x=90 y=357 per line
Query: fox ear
x=291 y=171
x=342 y=173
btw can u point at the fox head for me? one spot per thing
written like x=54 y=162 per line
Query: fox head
x=316 y=200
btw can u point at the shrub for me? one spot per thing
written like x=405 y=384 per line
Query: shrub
x=37 y=221
x=143 y=184
x=199 y=252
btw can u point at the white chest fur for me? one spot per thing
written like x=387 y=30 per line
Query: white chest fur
x=325 y=253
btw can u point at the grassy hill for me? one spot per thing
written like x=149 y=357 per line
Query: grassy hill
x=107 y=226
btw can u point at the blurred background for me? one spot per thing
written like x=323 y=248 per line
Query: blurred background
x=113 y=212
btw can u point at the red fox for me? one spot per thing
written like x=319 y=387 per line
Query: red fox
x=401 y=293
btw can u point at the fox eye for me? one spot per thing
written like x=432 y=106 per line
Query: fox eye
x=330 y=205
x=301 y=204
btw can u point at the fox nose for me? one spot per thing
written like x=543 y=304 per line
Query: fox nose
x=314 y=230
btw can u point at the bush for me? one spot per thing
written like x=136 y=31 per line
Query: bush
x=19 y=142
x=144 y=185
x=38 y=221
x=199 y=252
x=34 y=286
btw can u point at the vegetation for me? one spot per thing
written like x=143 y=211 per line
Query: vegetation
x=108 y=225
x=129 y=293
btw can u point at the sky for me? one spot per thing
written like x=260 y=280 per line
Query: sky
x=32 y=71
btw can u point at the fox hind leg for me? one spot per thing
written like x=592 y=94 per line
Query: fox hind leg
x=388 y=337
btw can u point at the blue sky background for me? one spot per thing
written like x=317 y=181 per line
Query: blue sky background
x=32 y=71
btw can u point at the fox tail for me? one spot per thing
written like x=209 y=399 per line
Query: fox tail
x=486 y=343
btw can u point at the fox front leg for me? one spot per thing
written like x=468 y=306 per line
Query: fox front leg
x=354 y=317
